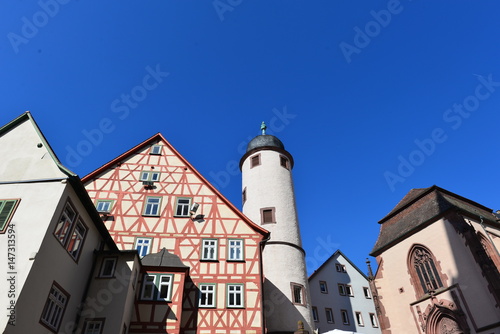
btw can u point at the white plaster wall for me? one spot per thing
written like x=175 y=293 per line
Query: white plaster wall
x=337 y=302
x=271 y=185
x=22 y=159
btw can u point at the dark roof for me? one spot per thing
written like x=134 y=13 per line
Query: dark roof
x=265 y=141
x=421 y=207
x=163 y=259
x=334 y=256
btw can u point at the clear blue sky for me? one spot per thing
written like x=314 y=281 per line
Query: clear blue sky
x=372 y=98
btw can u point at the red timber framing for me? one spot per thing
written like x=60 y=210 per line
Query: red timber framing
x=216 y=218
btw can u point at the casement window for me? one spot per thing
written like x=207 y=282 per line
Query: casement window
x=54 y=308
x=345 y=317
x=143 y=246
x=7 y=208
x=255 y=161
x=284 y=162
x=359 y=319
x=71 y=231
x=150 y=176
x=298 y=294
x=93 y=326
x=157 y=287
x=267 y=215
x=323 y=287
x=108 y=266
x=156 y=150
x=423 y=271
x=341 y=289
x=373 y=320
x=315 y=313
x=103 y=206
x=366 y=292
x=235 y=296
x=340 y=268
x=152 y=206
x=235 y=250
x=207 y=295
x=209 y=249
x=182 y=206
x=349 y=291
x=329 y=315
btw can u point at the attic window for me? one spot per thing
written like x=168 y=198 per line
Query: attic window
x=156 y=150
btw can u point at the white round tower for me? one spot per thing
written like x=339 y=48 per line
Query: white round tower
x=269 y=200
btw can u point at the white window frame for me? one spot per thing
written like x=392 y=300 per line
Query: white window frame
x=323 y=287
x=349 y=291
x=367 y=292
x=207 y=291
x=75 y=243
x=373 y=320
x=54 y=308
x=65 y=224
x=156 y=149
x=359 y=318
x=106 y=260
x=157 y=284
x=148 y=280
x=209 y=249
x=235 y=248
x=143 y=243
x=182 y=207
x=104 y=205
x=151 y=207
x=235 y=292
x=342 y=291
x=152 y=176
x=93 y=326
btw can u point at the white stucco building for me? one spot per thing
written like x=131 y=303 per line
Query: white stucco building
x=341 y=297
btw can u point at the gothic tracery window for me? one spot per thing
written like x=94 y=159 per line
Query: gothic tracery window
x=424 y=270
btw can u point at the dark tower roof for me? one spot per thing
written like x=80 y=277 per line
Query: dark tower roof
x=265 y=141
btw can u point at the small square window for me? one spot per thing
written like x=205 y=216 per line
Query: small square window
x=152 y=206
x=150 y=176
x=298 y=294
x=143 y=246
x=235 y=296
x=156 y=150
x=182 y=207
x=315 y=313
x=255 y=161
x=323 y=287
x=103 y=206
x=267 y=215
x=349 y=291
x=207 y=295
x=366 y=292
x=345 y=317
x=108 y=267
x=235 y=250
x=209 y=249
x=284 y=162
x=329 y=315
x=340 y=268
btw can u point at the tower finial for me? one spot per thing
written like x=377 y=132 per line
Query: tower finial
x=263 y=128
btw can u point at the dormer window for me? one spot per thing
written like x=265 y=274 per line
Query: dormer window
x=156 y=150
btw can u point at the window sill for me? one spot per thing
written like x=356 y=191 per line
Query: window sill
x=236 y=261
x=209 y=260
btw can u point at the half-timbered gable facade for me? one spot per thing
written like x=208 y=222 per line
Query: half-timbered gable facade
x=152 y=199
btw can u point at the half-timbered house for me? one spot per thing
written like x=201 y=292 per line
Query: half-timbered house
x=153 y=200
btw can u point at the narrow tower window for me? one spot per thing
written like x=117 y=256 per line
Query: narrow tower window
x=255 y=161
x=298 y=294
x=284 y=162
x=267 y=215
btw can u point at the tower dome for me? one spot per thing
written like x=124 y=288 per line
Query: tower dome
x=265 y=141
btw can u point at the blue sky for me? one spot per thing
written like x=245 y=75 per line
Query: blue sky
x=372 y=98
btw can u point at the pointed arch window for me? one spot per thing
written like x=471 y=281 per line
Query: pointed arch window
x=425 y=274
